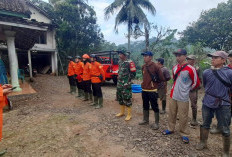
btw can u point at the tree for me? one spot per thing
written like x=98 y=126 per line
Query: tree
x=212 y=29
x=130 y=13
x=78 y=32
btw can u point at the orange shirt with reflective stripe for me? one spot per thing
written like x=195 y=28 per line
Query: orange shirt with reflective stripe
x=86 y=72
x=71 y=68
x=96 y=70
x=3 y=102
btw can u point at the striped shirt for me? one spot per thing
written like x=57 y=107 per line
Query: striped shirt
x=186 y=80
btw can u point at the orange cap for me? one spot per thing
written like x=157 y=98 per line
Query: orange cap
x=85 y=56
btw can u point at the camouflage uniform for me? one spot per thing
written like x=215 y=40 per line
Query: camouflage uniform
x=126 y=73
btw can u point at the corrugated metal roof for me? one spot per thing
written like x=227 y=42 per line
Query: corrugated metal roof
x=15 y=6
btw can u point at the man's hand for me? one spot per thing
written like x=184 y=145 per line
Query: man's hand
x=5 y=86
x=7 y=91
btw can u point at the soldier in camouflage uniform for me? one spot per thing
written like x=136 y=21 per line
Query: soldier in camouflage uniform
x=126 y=73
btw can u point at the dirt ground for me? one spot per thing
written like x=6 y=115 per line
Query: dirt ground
x=54 y=123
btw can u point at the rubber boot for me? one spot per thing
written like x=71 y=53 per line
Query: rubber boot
x=215 y=130
x=163 y=107
x=203 y=139
x=3 y=152
x=73 y=88
x=122 y=111
x=100 y=103
x=79 y=93
x=194 y=119
x=86 y=97
x=128 y=117
x=156 y=125
x=82 y=94
x=70 y=89
x=95 y=101
x=91 y=97
x=145 y=118
x=226 y=146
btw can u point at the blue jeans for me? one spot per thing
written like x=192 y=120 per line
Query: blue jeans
x=223 y=115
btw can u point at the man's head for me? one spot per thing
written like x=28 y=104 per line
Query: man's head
x=160 y=61
x=85 y=57
x=180 y=55
x=147 y=56
x=218 y=58
x=191 y=59
x=93 y=57
x=69 y=58
x=230 y=57
x=123 y=54
x=77 y=59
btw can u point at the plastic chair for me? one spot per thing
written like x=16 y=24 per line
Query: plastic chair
x=21 y=75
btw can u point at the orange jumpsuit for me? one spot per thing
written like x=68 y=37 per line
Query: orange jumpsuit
x=71 y=68
x=96 y=70
x=71 y=73
x=86 y=72
x=3 y=102
x=79 y=71
x=87 y=78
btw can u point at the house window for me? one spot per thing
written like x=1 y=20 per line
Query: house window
x=42 y=38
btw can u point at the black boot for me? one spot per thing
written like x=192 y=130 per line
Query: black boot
x=203 y=139
x=145 y=118
x=163 y=107
x=226 y=146
x=156 y=125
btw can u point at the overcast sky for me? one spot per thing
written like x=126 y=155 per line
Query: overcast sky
x=169 y=13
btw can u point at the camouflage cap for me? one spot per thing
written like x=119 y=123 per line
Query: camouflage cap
x=126 y=53
x=193 y=57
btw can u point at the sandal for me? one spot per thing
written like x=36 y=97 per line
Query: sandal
x=167 y=132
x=185 y=139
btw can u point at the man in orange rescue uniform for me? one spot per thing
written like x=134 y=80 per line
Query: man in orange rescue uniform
x=87 y=78
x=4 y=90
x=71 y=75
x=79 y=72
x=97 y=76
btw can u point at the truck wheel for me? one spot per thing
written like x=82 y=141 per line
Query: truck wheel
x=115 y=80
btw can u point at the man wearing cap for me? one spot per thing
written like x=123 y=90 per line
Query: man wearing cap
x=217 y=83
x=152 y=76
x=79 y=72
x=71 y=75
x=97 y=76
x=126 y=73
x=162 y=87
x=193 y=94
x=185 y=78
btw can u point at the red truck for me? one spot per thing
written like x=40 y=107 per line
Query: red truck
x=109 y=61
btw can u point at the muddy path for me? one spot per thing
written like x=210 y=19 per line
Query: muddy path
x=54 y=123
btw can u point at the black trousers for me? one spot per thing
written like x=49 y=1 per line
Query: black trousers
x=80 y=85
x=72 y=80
x=150 y=98
x=87 y=86
x=97 y=89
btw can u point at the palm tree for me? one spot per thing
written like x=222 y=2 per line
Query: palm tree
x=130 y=13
